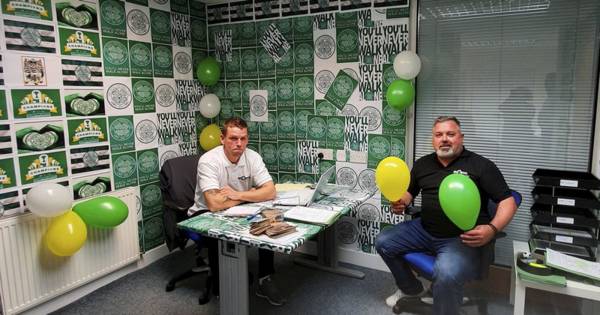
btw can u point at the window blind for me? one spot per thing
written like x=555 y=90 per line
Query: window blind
x=521 y=77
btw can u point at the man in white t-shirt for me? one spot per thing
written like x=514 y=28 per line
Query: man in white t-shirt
x=227 y=176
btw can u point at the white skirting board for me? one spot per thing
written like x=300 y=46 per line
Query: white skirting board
x=30 y=274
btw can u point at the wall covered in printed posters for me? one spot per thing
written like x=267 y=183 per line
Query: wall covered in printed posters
x=96 y=95
x=310 y=77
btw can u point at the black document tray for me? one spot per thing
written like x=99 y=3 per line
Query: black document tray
x=565 y=197
x=570 y=179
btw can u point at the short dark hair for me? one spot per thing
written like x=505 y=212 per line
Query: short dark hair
x=233 y=122
x=442 y=119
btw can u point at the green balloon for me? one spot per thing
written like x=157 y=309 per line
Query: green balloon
x=208 y=72
x=460 y=200
x=400 y=94
x=102 y=212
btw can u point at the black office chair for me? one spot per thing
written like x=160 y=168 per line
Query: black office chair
x=178 y=186
x=423 y=263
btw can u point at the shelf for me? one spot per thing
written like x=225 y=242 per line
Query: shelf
x=539 y=247
x=567 y=179
x=565 y=197
x=563 y=216
x=571 y=236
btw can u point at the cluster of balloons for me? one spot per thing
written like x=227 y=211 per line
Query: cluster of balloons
x=209 y=73
x=67 y=231
x=401 y=93
x=458 y=194
x=392 y=177
x=460 y=200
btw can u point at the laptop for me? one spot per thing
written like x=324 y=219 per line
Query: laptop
x=305 y=197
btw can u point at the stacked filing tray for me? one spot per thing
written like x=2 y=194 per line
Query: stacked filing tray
x=565 y=213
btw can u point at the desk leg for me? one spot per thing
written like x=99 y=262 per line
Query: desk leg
x=233 y=278
x=512 y=284
x=327 y=256
x=519 y=291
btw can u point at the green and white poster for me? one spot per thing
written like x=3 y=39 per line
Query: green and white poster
x=36 y=103
x=79 y=43
x=3 y=106
x=40 y=167
x=92 y=130
x=124 y=170
x=38 y=9
x=122 y=137
x=113 y=18
x=116 y=57
x=7 y=173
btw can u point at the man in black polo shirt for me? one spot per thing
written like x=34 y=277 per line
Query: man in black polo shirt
x=457 y=252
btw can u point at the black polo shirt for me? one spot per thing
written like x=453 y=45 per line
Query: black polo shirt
x=427 y=175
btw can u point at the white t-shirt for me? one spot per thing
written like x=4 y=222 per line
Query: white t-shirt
x=215 y=171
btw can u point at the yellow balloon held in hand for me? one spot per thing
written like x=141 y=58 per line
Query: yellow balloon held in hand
x=392 y=177
x=210 y=137
x=66 y=234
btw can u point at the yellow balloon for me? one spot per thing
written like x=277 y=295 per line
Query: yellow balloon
x=66 y=234
x=392 y=177
x=210 y=137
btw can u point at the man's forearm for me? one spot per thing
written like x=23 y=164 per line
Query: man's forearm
x=506 y=210
x=216 y=201
x=263 y=193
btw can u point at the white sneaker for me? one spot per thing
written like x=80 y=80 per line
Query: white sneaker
x=392 y=299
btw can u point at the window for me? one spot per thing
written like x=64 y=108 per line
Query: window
x=521 y=77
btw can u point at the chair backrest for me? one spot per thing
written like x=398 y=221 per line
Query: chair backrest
x=178 y=178
x=178 y=188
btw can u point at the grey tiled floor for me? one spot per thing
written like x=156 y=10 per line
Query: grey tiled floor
x=309 y=292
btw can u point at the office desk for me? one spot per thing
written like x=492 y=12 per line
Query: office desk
x=234 y=238
x=518 y=287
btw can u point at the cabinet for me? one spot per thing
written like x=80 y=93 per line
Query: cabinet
x=565 y=213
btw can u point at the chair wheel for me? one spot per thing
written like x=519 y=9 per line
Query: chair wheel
x=204 y=297
x=170 y=287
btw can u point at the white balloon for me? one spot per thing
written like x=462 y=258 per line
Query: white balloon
x=210 y=106
x=49 y=199
x=407 y=65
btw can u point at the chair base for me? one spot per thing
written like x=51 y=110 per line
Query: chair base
x=202 y=268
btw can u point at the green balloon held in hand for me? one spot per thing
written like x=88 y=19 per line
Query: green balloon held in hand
x=460 y=200
x=400 y=94
x=208 y=72
x=102 y=212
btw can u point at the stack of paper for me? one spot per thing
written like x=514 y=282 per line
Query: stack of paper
x=572 y=264
x=312 y=215
x=296 y=197
x=241 y=211
x=286 y=187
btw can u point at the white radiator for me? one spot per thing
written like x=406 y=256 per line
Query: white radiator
x=30 y=274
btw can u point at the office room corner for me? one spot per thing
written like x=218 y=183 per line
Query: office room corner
x=299 y=157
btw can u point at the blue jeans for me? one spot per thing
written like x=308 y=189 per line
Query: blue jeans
x=455 y=263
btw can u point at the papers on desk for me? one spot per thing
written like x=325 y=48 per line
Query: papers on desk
x=242 y=210
x=296 y=197
x=287 y=187
x=572 y=264
x=312 y=215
